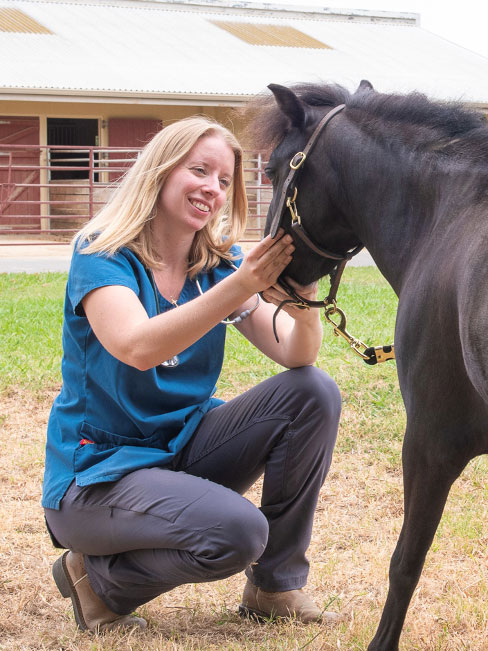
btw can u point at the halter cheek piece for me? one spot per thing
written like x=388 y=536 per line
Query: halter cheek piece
x=289 y=187
x=288 y=196
x=289 y=192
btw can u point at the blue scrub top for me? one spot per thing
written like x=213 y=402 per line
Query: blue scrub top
x=110 y=418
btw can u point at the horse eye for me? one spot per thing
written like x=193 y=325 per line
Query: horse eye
x=269 y=172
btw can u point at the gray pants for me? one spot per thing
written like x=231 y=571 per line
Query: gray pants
x=158 y=528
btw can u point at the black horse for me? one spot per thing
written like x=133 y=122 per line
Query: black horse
x=407 y=178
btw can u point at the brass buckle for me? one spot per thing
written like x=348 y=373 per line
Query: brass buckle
x=295 y=165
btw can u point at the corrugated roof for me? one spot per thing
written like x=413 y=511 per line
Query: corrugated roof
x=175 y=49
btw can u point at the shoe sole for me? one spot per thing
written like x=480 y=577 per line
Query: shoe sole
x=67 y=589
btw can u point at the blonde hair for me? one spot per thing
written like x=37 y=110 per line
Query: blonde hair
x=126 y=219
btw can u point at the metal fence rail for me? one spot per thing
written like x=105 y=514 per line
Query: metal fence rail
x=50 y=191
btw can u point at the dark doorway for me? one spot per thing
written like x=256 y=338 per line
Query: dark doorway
x=73 y=133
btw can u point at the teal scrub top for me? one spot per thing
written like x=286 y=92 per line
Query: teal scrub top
x=109 y=418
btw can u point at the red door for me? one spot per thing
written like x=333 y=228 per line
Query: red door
x=19 y=171
x=128 y=132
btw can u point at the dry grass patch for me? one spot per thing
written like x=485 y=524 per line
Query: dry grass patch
x=358 y=519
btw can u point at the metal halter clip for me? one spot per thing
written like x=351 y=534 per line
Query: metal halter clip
x=295 y=165
x=340 y=330
x=290 y=203
x=373 y=354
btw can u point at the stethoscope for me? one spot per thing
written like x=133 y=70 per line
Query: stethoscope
x=174 y=361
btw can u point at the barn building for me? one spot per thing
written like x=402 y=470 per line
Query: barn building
x=85 y=83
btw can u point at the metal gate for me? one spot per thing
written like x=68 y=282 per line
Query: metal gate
x=34 y=203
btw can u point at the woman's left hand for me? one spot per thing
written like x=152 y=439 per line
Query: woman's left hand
x=277 y=295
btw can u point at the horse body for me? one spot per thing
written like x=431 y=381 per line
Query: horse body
x=406 y=184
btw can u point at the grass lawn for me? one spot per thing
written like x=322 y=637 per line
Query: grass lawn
x=358 y=518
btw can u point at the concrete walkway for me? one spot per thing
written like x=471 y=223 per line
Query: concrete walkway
x=40 y=257
x=34 y=258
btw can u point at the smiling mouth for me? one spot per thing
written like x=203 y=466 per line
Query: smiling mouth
x=200 y=206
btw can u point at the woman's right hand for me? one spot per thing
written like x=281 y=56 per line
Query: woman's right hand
x=264 y=263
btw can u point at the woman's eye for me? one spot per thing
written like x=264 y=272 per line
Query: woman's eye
x=225 y=183
x=199 y=170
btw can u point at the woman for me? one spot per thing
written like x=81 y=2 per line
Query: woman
x=144 y=466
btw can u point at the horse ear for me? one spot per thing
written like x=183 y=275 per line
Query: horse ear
x=291 y=105
x=365 y=85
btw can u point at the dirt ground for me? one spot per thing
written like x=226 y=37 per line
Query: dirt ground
x=357 y=522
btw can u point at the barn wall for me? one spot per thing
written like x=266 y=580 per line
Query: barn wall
x=105 y=112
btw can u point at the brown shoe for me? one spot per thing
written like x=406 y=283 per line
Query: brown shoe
x=91 y=614
x=260 y=605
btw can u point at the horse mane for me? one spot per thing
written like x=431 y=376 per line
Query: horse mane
x=441 y=127
x=266 y=124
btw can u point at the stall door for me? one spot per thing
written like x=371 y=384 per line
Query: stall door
x=19 y=172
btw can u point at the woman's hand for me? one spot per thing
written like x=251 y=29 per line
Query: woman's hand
x=264 y=263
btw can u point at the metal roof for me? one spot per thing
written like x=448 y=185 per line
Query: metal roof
x=172 y=51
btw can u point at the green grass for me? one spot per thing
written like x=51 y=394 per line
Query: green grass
x=31 y=307
x=31 y=314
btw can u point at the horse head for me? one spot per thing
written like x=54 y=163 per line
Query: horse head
x=304 y=187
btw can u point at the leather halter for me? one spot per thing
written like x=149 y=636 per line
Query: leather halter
x=371 y=355
x=295 y=164
x=287 y=200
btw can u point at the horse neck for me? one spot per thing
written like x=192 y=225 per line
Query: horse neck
x=389 y=206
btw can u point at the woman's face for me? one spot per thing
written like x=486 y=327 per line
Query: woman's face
x=197 y=188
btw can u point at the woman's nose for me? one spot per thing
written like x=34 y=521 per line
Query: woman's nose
x=212 y=185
